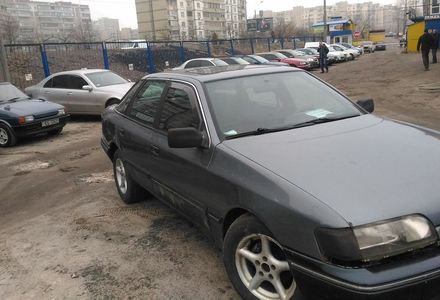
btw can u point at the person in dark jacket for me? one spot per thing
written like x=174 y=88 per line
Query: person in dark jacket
x=434 y=46
x=426 y=42
x=323 y=52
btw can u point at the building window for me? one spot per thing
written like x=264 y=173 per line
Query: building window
x=199 y=16
x=183 y=24
x=198 y=4
x=435 y=7
x=182 y=14
x=181 y=4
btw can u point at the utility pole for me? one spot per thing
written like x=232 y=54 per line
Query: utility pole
x=325 y=21
x=4 y=70
x=405 y=17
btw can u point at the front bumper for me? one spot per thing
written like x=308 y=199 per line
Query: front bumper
x=409 y=278
x=36 y=127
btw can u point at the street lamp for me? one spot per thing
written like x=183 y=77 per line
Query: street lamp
x=325 y=21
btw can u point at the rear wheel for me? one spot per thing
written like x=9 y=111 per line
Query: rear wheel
x=7 y=136
x=255 y=262
x=128 y=189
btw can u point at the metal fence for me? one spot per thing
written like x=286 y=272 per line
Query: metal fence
x=29 y=64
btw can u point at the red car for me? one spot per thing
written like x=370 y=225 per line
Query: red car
x=294 y=62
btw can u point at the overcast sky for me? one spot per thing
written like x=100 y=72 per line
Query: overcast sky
x=125 y=10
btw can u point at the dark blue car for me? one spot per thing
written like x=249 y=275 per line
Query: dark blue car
x=21 y=116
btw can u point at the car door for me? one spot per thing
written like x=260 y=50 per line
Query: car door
x=80 y=100
x=55 y=90
x=137 y=133
x=181 y=176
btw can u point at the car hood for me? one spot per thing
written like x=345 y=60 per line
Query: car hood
x=366 y=168
x=117 y=89
x=37 y=108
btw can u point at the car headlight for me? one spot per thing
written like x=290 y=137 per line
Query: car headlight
x=25 y=119
x=310 y=59
x=377 y=241
x=61 y=112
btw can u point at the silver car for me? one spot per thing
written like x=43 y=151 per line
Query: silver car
x=82 y=91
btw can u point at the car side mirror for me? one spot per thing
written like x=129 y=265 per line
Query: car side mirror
x=87 y=88
x=367 y=104
x=185 y=138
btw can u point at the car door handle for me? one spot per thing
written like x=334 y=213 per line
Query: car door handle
x=69 y=93
x=155 y=150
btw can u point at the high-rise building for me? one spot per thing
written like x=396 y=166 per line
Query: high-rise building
x=127 y=34
x=190 y=19
x=107 y=29
x=46 y=21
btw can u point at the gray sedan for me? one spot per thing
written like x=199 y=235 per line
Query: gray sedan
x=82 y=91
x=306 y=192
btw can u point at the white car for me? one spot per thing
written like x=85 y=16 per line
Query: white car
x=201 y=62
x=85 y=92
x=335 y=55
x=350 y=46
x=353 y=53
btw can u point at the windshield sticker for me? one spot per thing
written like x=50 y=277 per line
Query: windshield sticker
x=318 y=113
x=231 y=132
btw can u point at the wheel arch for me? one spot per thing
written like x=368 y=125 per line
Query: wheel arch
x=231 y=216
x=112 y=150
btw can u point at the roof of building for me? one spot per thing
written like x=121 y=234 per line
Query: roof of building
x=333 y=22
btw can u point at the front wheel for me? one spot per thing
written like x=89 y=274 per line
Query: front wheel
x=255 y=262
x=7 y=136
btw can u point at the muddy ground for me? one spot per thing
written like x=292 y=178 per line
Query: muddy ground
x=64 y=233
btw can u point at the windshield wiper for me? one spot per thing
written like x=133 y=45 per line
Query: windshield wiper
x=261 y=131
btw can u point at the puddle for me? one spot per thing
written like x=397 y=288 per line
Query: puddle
x=103 y=177
x=36 y=165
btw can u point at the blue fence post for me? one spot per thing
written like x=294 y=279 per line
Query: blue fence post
x=252 y=46
x=268 y=44
x=105 y=56
x=232 y=47
x=182 y=53
x=208 y=47
x=151 y=68
x=44 y=60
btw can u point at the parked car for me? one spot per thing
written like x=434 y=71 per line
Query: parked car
x=315 y=53
x=333 y=54
x=347 y=54
x=380 y=46
x=368 y=46
x=21 y=116
x=258 y=60
x=234 y=60
x=353 y=51
x=294 y=62
x=350 y=46
x=304 y=190
x=314 y=62
x=85 y=92
x=201 y=62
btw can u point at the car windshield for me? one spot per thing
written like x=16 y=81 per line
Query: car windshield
x=274 y=101
x=259 y=59
x=105 y=78
x=8 y=92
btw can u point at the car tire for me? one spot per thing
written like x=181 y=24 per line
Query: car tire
x=112 y=102
x=252 y=257
x=55 y=131
x=7 y=136
x=129 y=191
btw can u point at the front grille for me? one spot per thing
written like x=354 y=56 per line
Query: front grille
x=46 y=114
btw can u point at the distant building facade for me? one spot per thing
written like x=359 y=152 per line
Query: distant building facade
x=190 y=19
x=127 y=34
x=45 y=21
x=107 y=29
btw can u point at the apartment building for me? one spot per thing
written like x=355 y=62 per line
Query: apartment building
x=107 y=29
x=190 y=19
x=45 y=21
x=431 y=7
x=127 y=34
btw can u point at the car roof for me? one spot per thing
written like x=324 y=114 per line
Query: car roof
x=81 y=71
x=206 y=74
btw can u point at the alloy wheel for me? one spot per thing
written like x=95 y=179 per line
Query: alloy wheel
x=263 y=269
x=4 y=138
x=121 y=177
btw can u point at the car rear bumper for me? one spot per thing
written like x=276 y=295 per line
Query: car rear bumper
x=415 y=279
x=36 y=128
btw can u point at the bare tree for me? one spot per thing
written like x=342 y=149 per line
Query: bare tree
x=283 y=29
x=9 y=29
x=83 y=33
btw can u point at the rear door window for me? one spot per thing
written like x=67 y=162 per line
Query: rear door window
x=60 y=82
x=193 y=64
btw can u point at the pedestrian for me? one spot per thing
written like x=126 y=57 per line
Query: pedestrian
x=323 y=52
x=434 y=46
x=425 y=43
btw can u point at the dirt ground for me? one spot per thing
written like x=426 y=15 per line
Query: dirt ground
x=64 y=233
